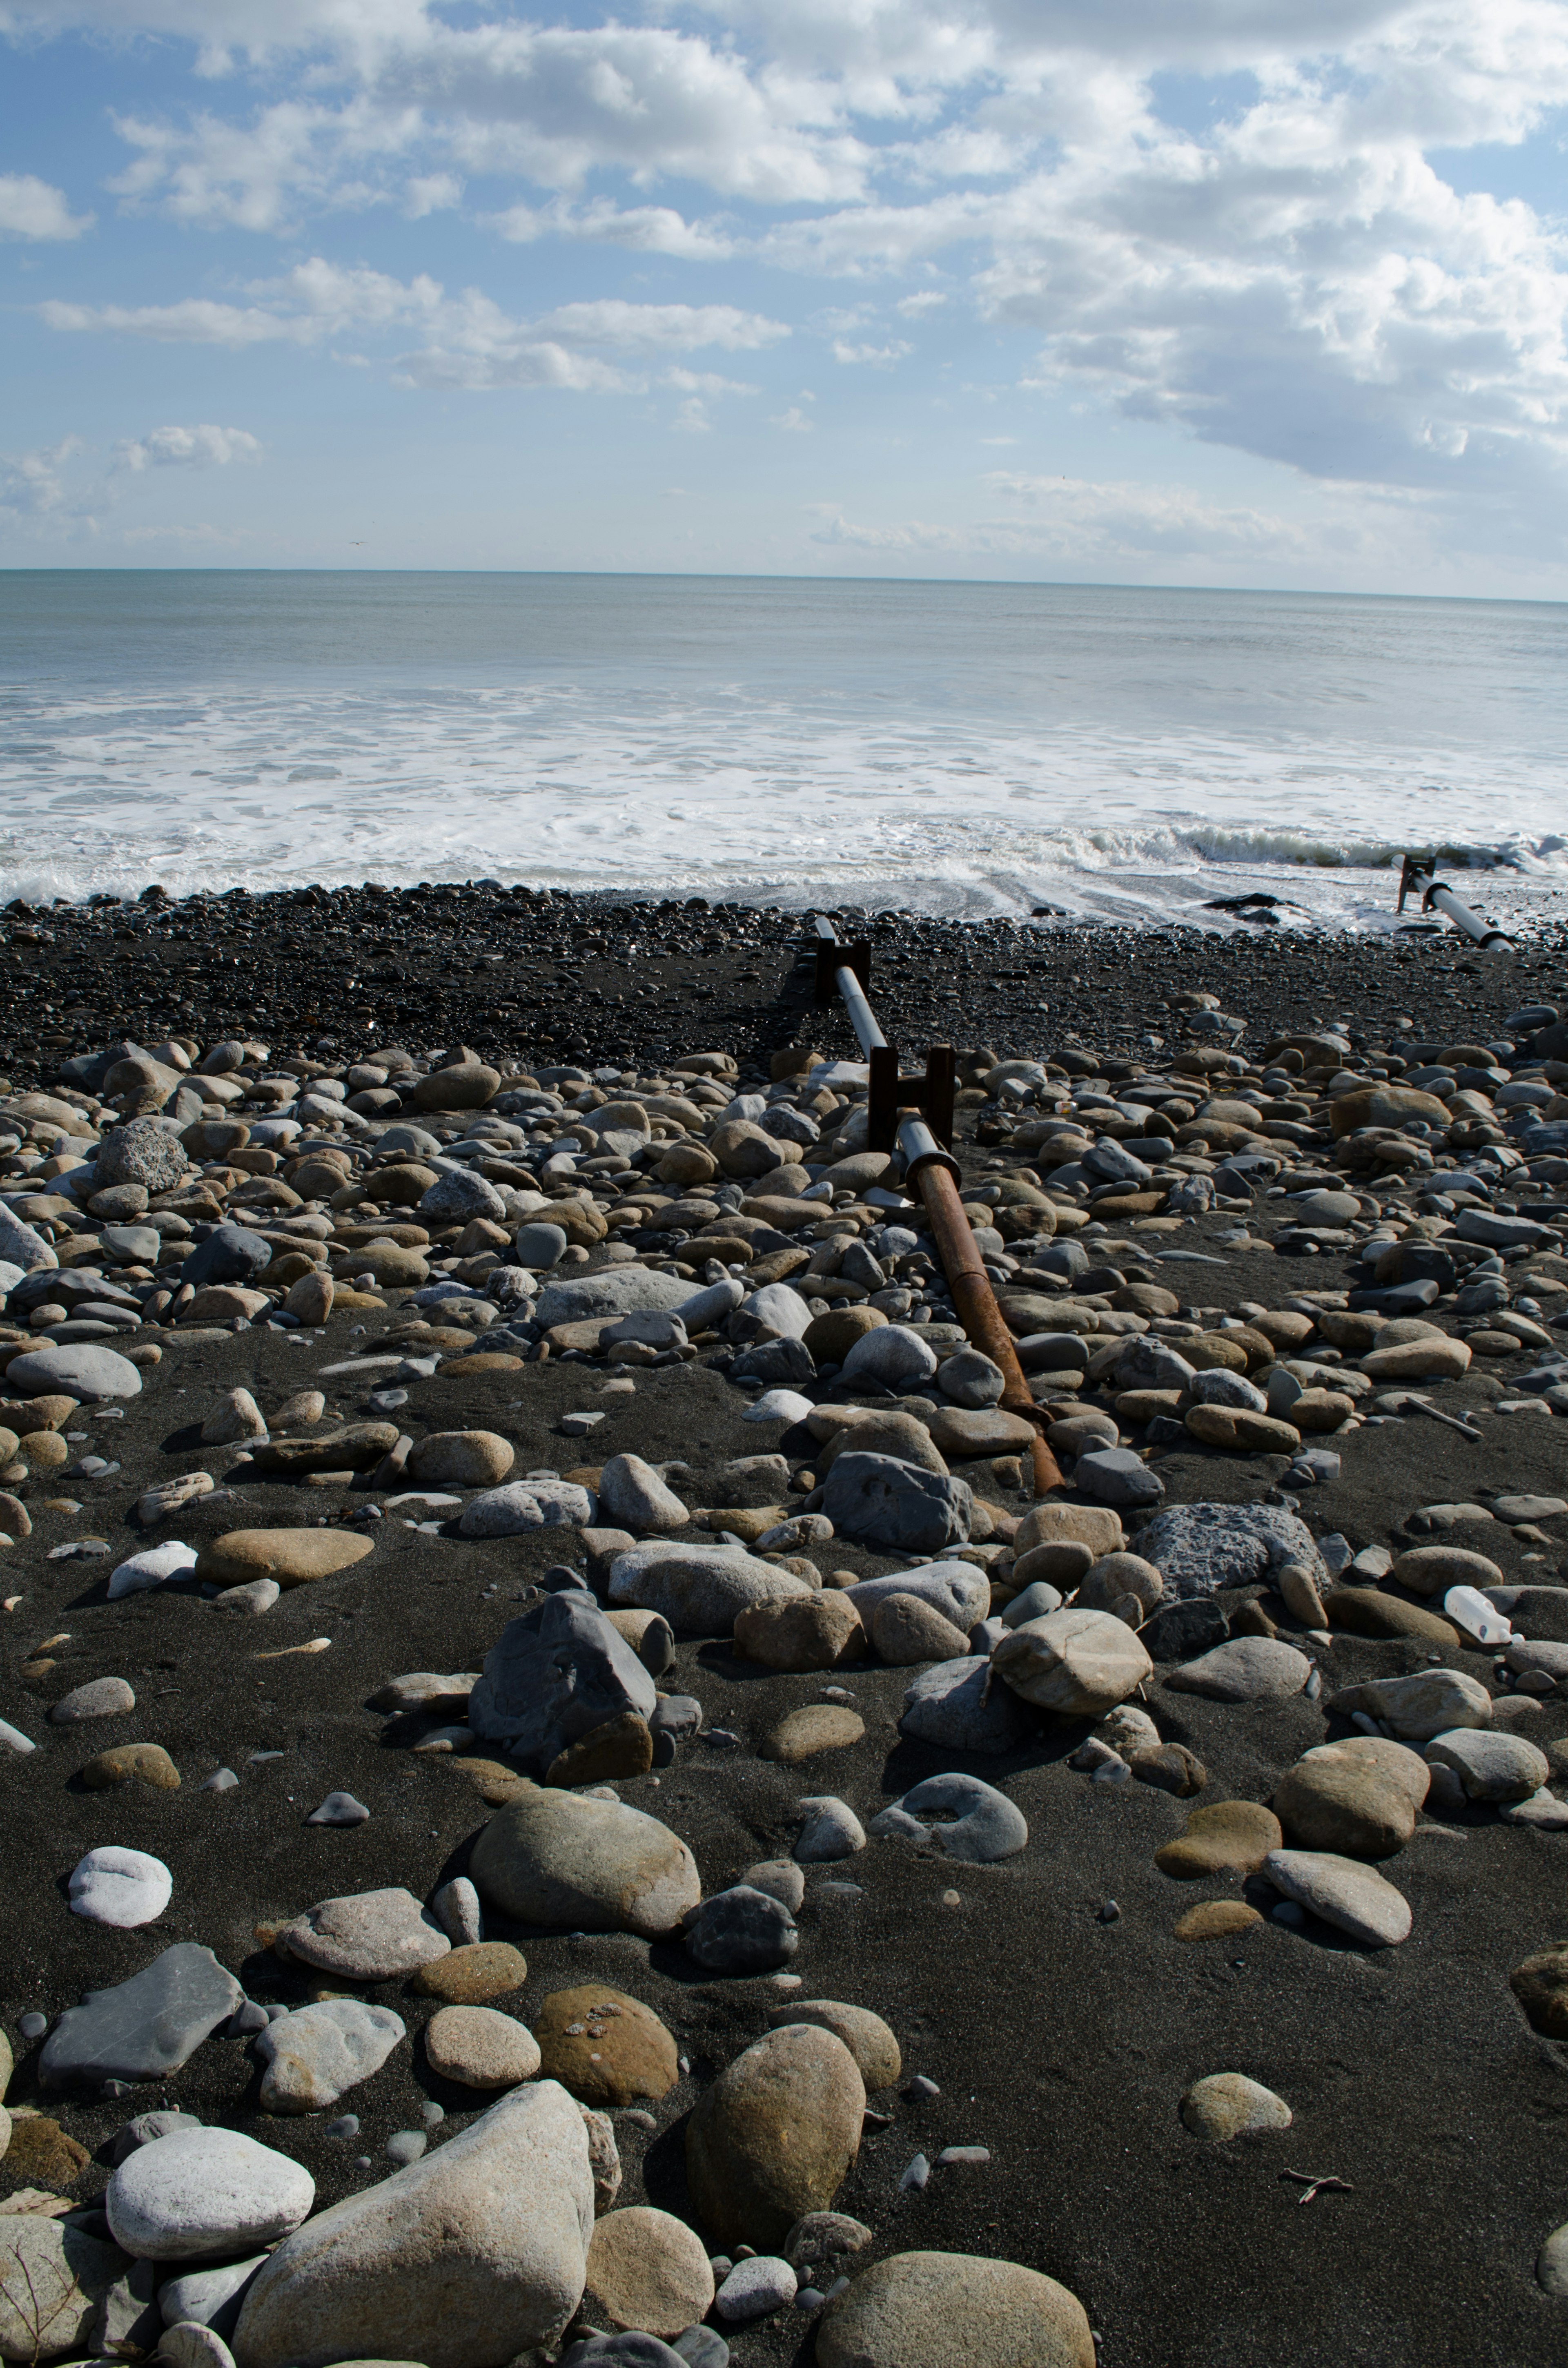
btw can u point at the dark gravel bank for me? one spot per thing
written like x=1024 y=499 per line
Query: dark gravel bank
x=548 y=975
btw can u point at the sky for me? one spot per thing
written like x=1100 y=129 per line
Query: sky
x=1139 y=291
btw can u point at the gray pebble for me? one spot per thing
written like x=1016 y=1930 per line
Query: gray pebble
x=339 y=1809
x=916 y=2177
x=432 y=2113
x=921 y=2088
x=33 y=2026
x=406 y=2146
x=345 y=2126
x=223 y=1780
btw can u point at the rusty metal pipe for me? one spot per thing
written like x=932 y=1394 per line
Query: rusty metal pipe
x=933 y=1174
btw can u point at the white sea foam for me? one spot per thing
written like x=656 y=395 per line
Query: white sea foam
x=773 y=744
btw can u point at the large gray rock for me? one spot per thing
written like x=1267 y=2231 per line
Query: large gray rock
x=774 y=1313
x=20 y=1246
x=956 y=1589
x=1345 y=1894
x=459 y=1194
x=893 y=1353
x=985 y=1824
x=574 y=1860
x=956 y=1706
x=366 y=1936
x=230 y=1254
x=1115 y=1476
x=1490 y=1765
x=701 y=1590
x=145 y=2028
x=552 y=1675
x=143 y=1152
x=467 y=2259
x=311 y=2057
x=519 y=1506
x=877 y=1501
x=1197 y=1548
x=619 y=1291
x=78 y=1369
x=199 y=2192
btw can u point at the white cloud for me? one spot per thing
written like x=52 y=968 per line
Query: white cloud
x=660 y=329
x=793 y=422
x=31 y=481
x=927 y=301
x=32 y=209
x=187 y=448
x=645 y=230
x=879 y=355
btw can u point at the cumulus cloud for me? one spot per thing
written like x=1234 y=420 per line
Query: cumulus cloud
x=32 y=209
x=187 y=448
x=1273 y=262
x=30 y=482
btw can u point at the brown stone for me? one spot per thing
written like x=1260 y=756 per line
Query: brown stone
x=867 y=2036
x=147 y=1762
x=42 y=2155
x=1231 y=1837
x=1367 y=1612
x=290 y=1556
x=1240 y=1429
x=906 y=1630
x=1540 y=1985
x=474 y=1973
x=830 y=1338
x=621 y=1748
x=647 y=2271
x=606 y=2048
x=489 y=1360
x=814 y=1631
x=960 y=1432
x=774 y=2136
x=819 y=1726
x=1215 y=1919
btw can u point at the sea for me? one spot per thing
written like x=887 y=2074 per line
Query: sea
x=1110 y=753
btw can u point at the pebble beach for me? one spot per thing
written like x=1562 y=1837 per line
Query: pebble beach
x=565 y=1798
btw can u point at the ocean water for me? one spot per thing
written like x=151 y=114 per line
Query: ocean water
x=960 y=748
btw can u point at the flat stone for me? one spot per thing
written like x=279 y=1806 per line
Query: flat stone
x=984 y=1430
x=366 y=1936
x=647 y=2271
x=59 y=2281
x=1357 y=1798
x=1215 y=1919
x=314 y=2055
x=78 y=1369
x=608 y=2048
x=203 y=2192
x=99 y=1698
x=699 y=1589
x=507 y=2207
x=774 y=2136
x=554 y=1858
x=956 y=1706
x=151 y=1567
x=554 y=1676
x=1078 y=1664
x=1522 y=1657
x=1490 y=1766
x=479 y=2048
x=935 y=2310
x=1246 y=1668
x=143 y=2028
x=289 y=1557
x=1229 y=1836
x=475 y=1972
x=1343 y=1892
x=866 y=2035
x=618 y=1291
x=1415 y=1708
x=741 y=1932
x=1228 y=2105
x=1199 y=1548
x=122 y=1888
x=985 y=1826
